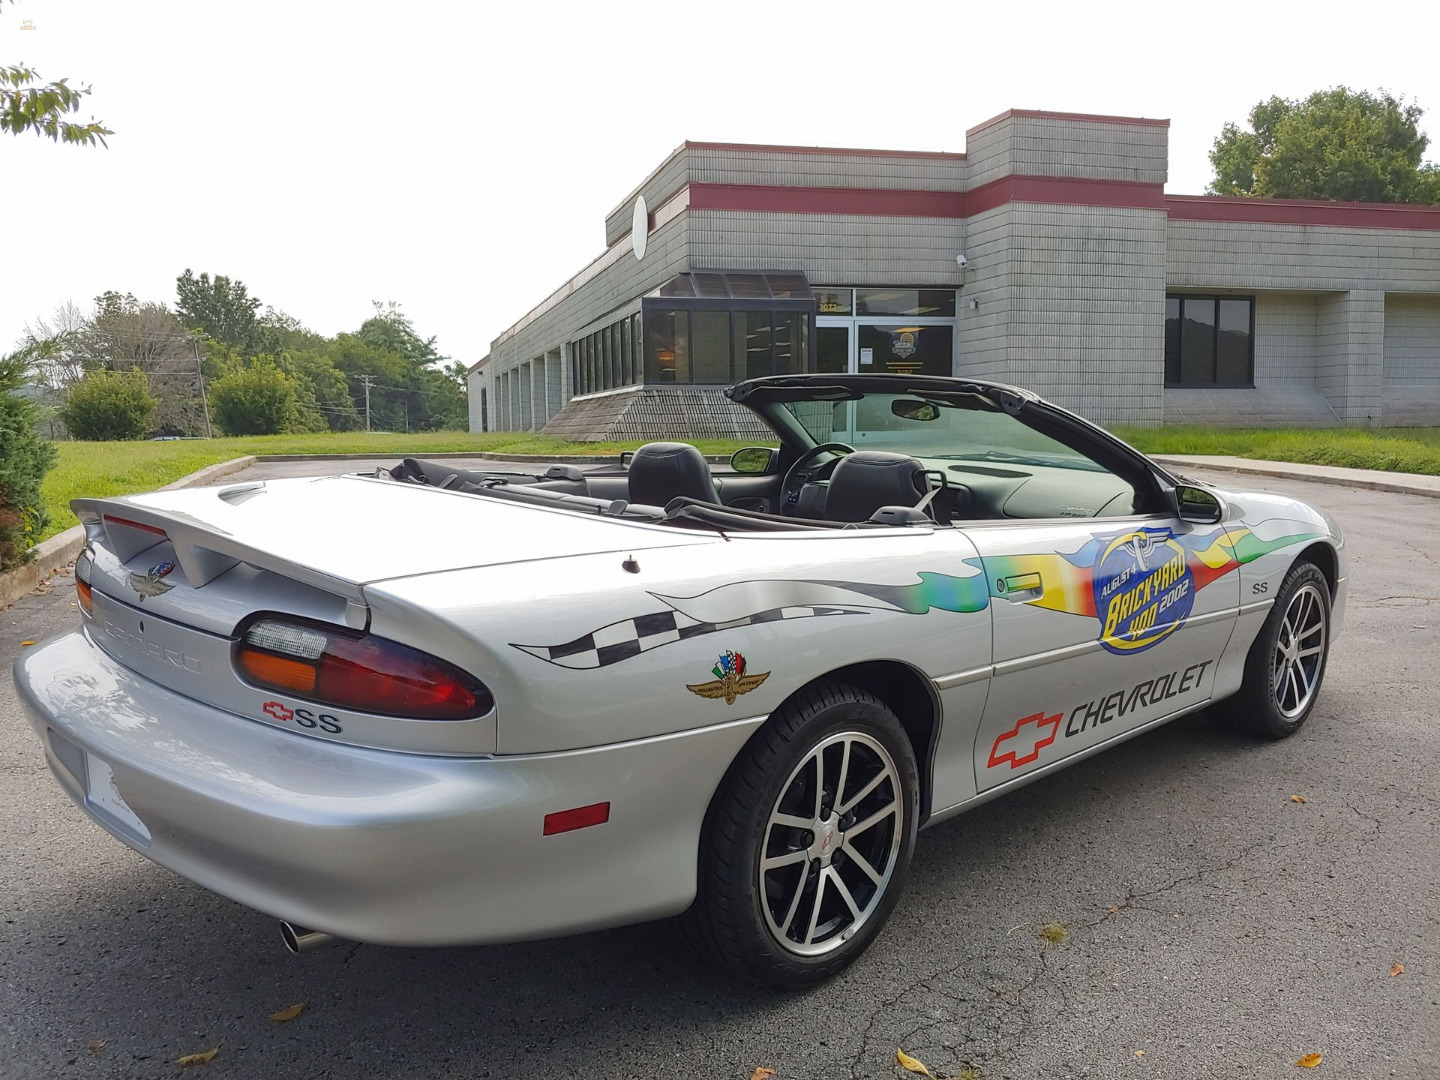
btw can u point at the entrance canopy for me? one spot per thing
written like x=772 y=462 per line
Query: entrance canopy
x=736 y=285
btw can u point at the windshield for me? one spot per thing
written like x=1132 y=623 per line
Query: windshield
x=937 y=427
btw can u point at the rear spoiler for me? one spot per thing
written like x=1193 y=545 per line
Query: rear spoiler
x=203 y=551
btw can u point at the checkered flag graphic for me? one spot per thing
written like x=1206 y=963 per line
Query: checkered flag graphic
x=631 y=637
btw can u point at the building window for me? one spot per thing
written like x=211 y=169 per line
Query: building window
x=1209 y=340
x=926 y=303
x=606 y=359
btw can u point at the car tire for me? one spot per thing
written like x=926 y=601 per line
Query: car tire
x=1286 y=663
x=808 y=840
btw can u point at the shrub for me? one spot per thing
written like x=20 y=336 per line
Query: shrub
x=24 y=460
x=108 y=405
x=256 y=400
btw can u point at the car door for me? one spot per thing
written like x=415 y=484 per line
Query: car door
x=1100 y=626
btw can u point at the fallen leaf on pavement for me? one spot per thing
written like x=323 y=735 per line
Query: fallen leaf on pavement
x=1397 y=969
x=96 y=1045
x=1309 y=1061
x=24 y=643
x=1298 y=798
x=762 y=1073
x=197 y=1059
x=1139 y=1053
x=910 y=1064
x=294 y=1011
x=1054 y=932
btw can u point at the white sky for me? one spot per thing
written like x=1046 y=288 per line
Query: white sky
x=460 y=157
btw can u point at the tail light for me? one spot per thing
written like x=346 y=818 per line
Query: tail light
x=83 y=591
x=331 y=665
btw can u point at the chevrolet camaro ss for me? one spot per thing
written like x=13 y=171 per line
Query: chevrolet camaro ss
x=430 y=706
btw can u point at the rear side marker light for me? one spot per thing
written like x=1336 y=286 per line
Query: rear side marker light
x=333 y=665
x=582 y=817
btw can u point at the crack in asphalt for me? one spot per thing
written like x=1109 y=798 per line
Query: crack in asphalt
x=1015 y=999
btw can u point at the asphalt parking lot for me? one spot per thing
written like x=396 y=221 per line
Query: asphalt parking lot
x=1215 y=926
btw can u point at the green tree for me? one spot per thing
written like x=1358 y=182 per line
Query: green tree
x=258 y=399
x=221 y=308
x=24 y=460
x=28 y=104
x=424 y=394
x=314 y=371
x=109 y=405
x=1335 y=144
x=277 y=331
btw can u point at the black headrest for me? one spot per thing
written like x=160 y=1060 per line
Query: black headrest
x=869 y=479
x=661 y=471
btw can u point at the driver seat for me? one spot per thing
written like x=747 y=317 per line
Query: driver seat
x=866 y=480
x=661 y=471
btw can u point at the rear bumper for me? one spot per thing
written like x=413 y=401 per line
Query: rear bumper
x=373 y=845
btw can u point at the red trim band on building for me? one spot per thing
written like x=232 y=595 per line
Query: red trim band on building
x=901 y=202
x=1055 y=191
x=893 y=202
x=1065 y=191
x=1302 y=212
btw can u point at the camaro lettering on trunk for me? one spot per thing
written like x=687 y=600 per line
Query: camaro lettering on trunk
x=152 y=649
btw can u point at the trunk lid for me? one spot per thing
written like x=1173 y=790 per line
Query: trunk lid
x=209 y=556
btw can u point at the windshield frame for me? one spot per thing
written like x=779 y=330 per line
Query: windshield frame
x=765 y=398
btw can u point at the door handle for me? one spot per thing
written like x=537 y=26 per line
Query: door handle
x=1021 y=588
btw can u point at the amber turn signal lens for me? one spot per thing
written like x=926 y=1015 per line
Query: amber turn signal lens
x=278 y=671
x=86 y=595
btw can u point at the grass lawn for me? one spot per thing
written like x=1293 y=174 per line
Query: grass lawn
x=100 y=469
x=1415 y=450
x=95 y=470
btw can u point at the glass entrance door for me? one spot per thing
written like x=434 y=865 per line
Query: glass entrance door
x=834 y=352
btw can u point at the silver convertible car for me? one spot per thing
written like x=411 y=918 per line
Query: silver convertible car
x=431 y=707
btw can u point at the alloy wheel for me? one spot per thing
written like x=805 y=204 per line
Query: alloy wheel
x=831 y=844
x=1299 y=652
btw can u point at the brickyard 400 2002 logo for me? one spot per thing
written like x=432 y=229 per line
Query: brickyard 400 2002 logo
x=1144 y=589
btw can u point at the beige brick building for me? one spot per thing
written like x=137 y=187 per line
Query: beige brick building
x=1047 y=255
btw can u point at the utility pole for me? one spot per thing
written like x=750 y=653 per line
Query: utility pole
x=367 y=380
x=204 y=401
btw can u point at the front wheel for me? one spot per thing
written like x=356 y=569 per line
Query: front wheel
x=1287 y=661
x=807 y=843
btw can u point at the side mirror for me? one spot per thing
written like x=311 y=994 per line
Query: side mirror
x=1198 y=505
x=754 y=460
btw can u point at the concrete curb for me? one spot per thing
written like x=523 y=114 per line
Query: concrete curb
x=62 y=548
x=48 y=557
x=211 y=473
x=1427 y=487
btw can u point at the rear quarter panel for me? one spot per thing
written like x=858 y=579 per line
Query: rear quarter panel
x=582 y=652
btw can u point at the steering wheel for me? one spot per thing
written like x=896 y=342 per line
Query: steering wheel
x=791 y=485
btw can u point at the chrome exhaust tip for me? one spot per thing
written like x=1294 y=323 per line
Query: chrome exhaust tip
x=297 y=939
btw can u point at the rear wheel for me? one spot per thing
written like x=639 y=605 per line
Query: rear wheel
x=1287 y=661
x=807 y=843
